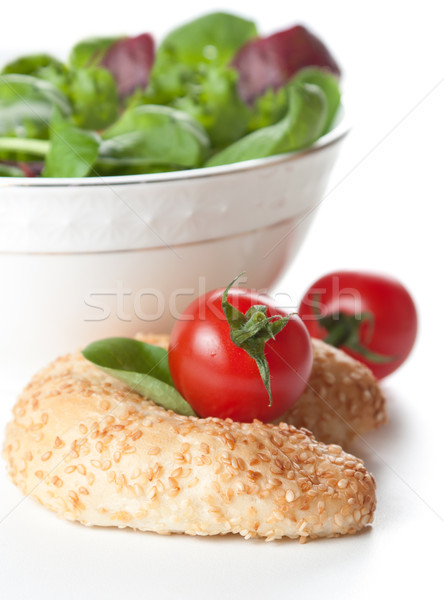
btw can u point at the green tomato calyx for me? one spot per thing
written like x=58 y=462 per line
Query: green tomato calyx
x=344 y=330
x=252 y=330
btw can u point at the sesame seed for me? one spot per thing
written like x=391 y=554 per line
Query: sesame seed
x=339 y=520
x=205 y=448
x=289 y=496
x=152 y=493
x=136 y=473
x=273 y=466
x=58 y=443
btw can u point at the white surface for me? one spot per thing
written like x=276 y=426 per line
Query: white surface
x=383 y=213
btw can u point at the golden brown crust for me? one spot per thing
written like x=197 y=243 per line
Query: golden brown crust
x=89 y=449
x=342 y=400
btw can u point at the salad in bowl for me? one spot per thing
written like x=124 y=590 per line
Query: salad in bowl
x=212 y=92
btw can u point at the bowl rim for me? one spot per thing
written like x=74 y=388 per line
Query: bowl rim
x=332 y=137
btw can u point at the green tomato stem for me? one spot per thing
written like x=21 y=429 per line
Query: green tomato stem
x=252 y=330
x=344 y=330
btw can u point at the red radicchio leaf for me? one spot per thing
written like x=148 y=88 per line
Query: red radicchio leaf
x=31 y=169
x=270 y=62
x=130 y=61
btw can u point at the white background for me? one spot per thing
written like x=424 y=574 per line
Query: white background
x=383 y=213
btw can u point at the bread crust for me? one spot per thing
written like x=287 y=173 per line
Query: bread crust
x=342 y=400
x=91 y=450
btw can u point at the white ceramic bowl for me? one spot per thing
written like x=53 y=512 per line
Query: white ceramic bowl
x=83 y=259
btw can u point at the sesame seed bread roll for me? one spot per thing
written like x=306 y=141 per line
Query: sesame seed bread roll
x=89 y=449
x=342 y=399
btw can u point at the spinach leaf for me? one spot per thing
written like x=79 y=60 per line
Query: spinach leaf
x=210 y=39
x=168 y=81
x=142 y=367
x=329 y=84
x=214 y=37
x=92 y=90
x=272 y=105
x=301 y=126
x=26 y=105
x=32 y=64
x=42 y=66
x=72 y=151
x=90 y=52
x=148 y=137
x=94 y=99
x=212 y=99
x=269 y=108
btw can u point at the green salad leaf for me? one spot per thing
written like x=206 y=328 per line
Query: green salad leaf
x=94 y=99
x=214 y=37
x=269 y=108
x=142 y=367
x=329 y=84
x=41 y=66
x=72 y=152
x=33 y=64
x=10 y=171
x=107 y=120
x=89 y=52
x=210 y=39
x=273 y=104
x=26 y=105
x=148 y=137
x=212 y=100
x=300 y=127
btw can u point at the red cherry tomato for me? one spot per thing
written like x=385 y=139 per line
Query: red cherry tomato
x=220 y=379
x=371 y=317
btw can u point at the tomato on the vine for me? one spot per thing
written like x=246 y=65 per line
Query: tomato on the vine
x=219 y=378
x=371 y=317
